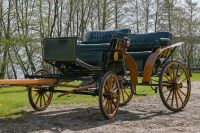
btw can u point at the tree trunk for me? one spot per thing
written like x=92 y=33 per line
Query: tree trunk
x=104 y=14
x=12 y=65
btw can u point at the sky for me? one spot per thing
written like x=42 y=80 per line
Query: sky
x=197 y=1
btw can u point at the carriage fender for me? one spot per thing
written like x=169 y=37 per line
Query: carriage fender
x=148 y=69
x=132 y=66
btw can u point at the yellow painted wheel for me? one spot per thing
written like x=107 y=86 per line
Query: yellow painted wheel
x=109 y=95
x=40 y=96
x=174 y=85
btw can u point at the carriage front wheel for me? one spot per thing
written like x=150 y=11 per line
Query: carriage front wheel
x=109 y=95
x=40 y=96
x=174 y=85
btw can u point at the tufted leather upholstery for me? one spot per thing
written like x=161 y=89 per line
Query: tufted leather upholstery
x=143 y=44
x=103 y=36
x=146 y=42
x=95 y=46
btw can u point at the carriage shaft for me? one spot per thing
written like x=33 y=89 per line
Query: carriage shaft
x=27 y=82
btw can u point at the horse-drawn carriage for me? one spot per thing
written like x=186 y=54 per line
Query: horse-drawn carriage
x=112 y=64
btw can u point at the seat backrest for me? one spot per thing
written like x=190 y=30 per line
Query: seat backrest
x=102 y=36
x=146 y=42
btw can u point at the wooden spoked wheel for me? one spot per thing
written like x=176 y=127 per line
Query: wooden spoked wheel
x=109 y=95
x=40 y=96
x=174 y=85
x=126 y=92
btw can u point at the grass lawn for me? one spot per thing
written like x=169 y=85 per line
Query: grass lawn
x=14 y=99
x=195 y=76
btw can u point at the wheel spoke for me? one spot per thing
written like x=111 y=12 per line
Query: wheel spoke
x=170 y=74
x=106 y=87
x=172 y=102
x=113 y=102
x=112 y=83
x=108 y=109
x=114 y=86
x=123 y=95
x=184 y=87
x=37 y=99
x=41 y=100
x=173 y=72
x=35 y=95
x=169 y=95
x=166 y=77
x=182 y=92
x=104 y=100
x=183 y=80
x=36 y=90
x=109 y=85
x=105 y=107
x=168 y=89
x=46 y=94
x=126 y=92
x=176 y=98
x=179 y=96
x=44 y=100
x=111 y=107
x=180 y=76
x=177 y=72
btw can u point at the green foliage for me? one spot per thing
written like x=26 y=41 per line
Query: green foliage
x=20 y=40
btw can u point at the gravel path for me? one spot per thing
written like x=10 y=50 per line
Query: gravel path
x=144 y=115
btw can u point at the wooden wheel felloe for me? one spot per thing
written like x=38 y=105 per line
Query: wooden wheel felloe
x=109 y=95
x=174 y=85
x=40 y=96
x=126 y=92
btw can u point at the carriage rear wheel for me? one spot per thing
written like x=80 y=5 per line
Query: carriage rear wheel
x=109 y=95
x=174 y=85
x=40 y=96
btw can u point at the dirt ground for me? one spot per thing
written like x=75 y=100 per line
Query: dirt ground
x=147 y=114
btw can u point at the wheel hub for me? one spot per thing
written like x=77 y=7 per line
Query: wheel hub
x=110 y=95
x=176 y=86
x=42 y=90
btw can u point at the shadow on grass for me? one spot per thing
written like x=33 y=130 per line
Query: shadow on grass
x=71 y=119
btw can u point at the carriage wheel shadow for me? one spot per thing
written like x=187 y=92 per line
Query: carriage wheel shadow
x=77 y=119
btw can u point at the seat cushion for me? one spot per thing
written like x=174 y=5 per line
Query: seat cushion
x=95 y=46
x=146 y=42
x=102 y=36
x=100 y=46
x=142 y=54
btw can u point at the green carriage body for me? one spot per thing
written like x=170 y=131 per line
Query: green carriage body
x=60 y=49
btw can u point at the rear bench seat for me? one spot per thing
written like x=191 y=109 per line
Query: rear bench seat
x=143 y=44
x=95 y=45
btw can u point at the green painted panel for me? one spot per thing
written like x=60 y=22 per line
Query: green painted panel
x=60 y=49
